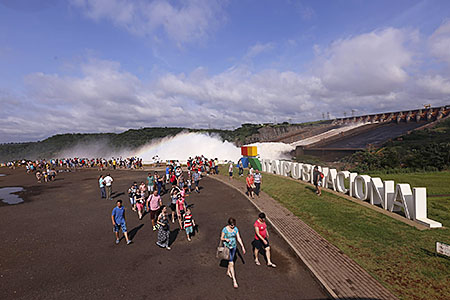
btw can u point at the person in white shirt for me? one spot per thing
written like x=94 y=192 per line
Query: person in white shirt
x=258 y=180
x=108 y=180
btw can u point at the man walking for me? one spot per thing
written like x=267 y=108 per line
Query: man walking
x=118 y=221
x=317 y=180
x=108 y=183
x=261 y=240
x=257 y=180
x=101 y=184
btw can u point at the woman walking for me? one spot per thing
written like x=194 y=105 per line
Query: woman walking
x=230 y=236
x=250 y=185
x=163 y=230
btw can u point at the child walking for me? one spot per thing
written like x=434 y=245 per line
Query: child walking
x=189 y=223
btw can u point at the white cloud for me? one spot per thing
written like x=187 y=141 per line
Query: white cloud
x=182 y=21
x=435 y=84
x=258 y=49
x=368 y=73
x=369 y=64
x=439 y=42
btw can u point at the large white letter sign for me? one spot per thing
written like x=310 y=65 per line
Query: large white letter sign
x=340 y=181
x=330 y=179
x=306 y=172
x=263 y=165
x=420 y=208
x=403 y=197
x=351 y=178
x=362 y=187
x=296 y=171
x=285 y=168
x=275 y=165
x=382 y=192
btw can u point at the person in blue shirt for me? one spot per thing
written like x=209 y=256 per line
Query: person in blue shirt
x=118 y=221
x=101 y=184
x=230 y=237
x=167 y=174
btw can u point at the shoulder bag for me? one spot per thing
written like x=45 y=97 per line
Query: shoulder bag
x=222 y=251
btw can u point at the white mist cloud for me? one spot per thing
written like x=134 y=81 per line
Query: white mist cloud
x=185 y=145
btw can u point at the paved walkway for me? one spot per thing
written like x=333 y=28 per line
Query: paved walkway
x=342 y=277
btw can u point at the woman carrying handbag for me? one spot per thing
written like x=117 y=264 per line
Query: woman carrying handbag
x=230 y=236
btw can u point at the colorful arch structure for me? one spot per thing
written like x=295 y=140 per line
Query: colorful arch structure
x=249 y=154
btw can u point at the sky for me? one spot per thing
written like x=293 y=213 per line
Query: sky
x=84 y=66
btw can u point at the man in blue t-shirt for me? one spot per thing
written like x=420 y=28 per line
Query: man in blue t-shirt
x=118 y=220
x=167 y=174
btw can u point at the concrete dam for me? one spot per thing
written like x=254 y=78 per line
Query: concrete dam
x=345 y=136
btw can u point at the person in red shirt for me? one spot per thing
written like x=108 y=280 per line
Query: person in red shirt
x=250 y=185
x=261 y=240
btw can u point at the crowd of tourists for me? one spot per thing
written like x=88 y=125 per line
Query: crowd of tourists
x=76 y=163
x=46 y=170
x=145 y=198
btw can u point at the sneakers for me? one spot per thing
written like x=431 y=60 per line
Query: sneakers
x=129 y=242
x=154 y=228
x=168 y=248
x=117 y=241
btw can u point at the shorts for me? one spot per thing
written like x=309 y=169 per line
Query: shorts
x=139 y=206
x=231 y=174
x=232 y=254
x=151 y=188
x=173 y=207
x=196 y=183
x=258 y=244
x=117 y=227
x=189 y=229
x=132 y=201
x=153 y=214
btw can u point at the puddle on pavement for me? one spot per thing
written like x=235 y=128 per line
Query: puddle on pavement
x=7 y=196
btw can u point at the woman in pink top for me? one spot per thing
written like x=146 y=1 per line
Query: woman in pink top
x=261 y=240
x=154 y=203
x=181 y=209
x=250 y=184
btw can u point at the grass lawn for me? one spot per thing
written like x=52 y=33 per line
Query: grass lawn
x=401 y=257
